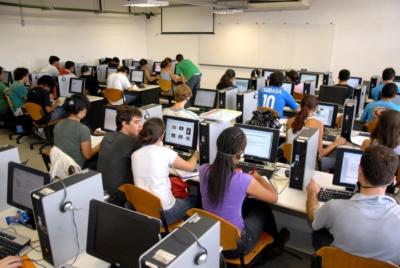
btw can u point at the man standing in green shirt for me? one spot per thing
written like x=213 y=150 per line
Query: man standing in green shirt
x=191 y=73
x=18 y=90
x=3 y=103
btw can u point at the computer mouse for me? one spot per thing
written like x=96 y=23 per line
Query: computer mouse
x=287 y=173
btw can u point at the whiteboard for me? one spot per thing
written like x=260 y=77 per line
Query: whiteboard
x=179 y=20
x=269 y=46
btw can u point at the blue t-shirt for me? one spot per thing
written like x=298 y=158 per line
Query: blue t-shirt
x=276 y=98
x=368 y=114
x=376 y=91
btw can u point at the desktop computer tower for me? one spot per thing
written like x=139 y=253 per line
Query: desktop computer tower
x=304 y=158
x=246 y=103
x=327 y=79
x=374 y=81
x=151 y=110
x=349 y=112
x=359 y=95
x=208 y=133
x=227 y=98
x=197 y=244
x=7 y=153
x=61 y=211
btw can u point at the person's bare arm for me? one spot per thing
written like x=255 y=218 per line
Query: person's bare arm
x=366 y=143
x=188 y=165
x=262 y=190
x=324 y=151
x=87 y=150
x=312 y=200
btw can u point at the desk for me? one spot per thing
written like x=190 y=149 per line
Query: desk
x=95 y=116
x=147 y=95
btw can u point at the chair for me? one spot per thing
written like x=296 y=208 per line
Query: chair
x=46 y=157
x=230 y=238
x=113 y=95
x=287 y=151
x=147 y=203
x=331 y=257
x=35 y=111
x=165 y=90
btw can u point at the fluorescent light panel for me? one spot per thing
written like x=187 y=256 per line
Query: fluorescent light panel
x=147 y=3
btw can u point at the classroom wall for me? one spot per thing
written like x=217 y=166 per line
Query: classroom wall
x=365 y=41
x=77 y=36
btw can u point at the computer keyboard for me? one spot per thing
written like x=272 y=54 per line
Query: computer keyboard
x=325 y=194
x=262 y=170
x=11 y=244
x=185 y=155
x=329 y=137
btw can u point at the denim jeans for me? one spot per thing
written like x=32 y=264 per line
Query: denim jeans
x=177 y=212
x=57 y=113
x=194 y=84
x=321 y=238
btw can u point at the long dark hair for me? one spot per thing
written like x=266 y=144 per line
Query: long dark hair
x=387 y=131
x=230 y=143
x=152 y=130
x=225 y=80
x=308 y=103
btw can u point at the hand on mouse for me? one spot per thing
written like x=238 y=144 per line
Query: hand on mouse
x=11 y=262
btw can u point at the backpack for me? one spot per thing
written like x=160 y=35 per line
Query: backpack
x=265 y=119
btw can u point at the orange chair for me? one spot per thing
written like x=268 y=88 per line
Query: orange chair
x=287 y=151
x=166 y=90
x=113 y=95
x=230 y=235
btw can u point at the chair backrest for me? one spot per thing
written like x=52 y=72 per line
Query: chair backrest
x=287 y=151
x=143 y=201
x=334 y=257
x=113 y=94
x=165 y=85
x=34 y=110
x=230 y=234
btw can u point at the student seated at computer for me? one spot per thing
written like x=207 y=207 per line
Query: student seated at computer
x=256 y=73
x=11 y=262
x=344 y=76
x=119 y=80
x=167 y=73
x=225 y=190
x=114 y=161
x=183 y=93
x=54 y=66
x=227 y=79
x=388 y=94
x=91 y=83
x=3 y=102
x=365 y=225
x=388 y=76
x=71 y=136
x=305 y=118
x=114 y=62
x=18 y=90
x=41 y=95
x=293 y=76
x=275 y=97
x=148 y=77
x=150 y=165
x=69 y=68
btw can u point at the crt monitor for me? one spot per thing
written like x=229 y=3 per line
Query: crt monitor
x=262 y=143
x=310 y=77
x=136 y=76
x=157 y=67
x=22 y=180
x=332 y=94
x=120 y=244
x=110 y=114
x=76 y=85
x=354 y=81
x=243 y=84
x=110 y=71
x=288 y=87
x=181 y=133
x=346 y=167
x=205 y=98
x=326 y=113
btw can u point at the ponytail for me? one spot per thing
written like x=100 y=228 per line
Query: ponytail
x=308 y=104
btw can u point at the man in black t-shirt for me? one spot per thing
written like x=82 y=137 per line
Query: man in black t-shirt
x=344 y=76
x=41 y=95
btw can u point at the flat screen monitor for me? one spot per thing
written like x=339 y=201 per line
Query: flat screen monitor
x=157 y=67
x=119 y=244
x=243 y=84
x=262 y=143
x=310 y=77
x=135 y=64
x=181 y=133
x=22 y=180
x=288 y=87
x=110 y=71
x=110 y=114
x=136 y=76
x=77 y=85
x=267 y=73
x=346 y=167
x=332 y=94
x=205 y=98
x=326 y=113
x=6 y=78
x=354 y=81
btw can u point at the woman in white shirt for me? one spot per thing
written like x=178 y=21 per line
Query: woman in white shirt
x=151 y=164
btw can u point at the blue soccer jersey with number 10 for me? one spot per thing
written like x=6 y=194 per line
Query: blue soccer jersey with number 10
x=276 y=98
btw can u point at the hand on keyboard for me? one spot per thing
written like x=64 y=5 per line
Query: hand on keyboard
x=313 y=187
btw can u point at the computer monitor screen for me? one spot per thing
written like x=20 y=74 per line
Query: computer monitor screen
x=181 y=133
x=136 y=76
x=119 y=244
x=332 y=94
x=262 y=143
x=110 y=71
x=157 y=67
x=242 y=84
x=205 y=98
x=22 y=180
x=354 y=81
x=135 y=64
x=110 y=113
x=326 y=113
x=310 y=77
x=267 y=73
x=77 y=85
x=346 y=167
x=288 y=87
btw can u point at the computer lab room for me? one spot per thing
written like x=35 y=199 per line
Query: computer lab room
x=207 y=133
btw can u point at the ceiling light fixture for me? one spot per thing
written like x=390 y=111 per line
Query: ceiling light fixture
x=227 y=11
x=147 y=3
